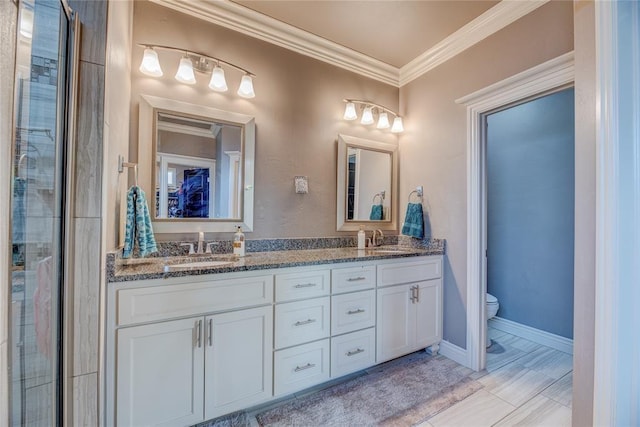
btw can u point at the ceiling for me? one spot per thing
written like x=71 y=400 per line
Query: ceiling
x=394 y=32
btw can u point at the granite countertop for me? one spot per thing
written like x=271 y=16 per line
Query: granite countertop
x=163 y=267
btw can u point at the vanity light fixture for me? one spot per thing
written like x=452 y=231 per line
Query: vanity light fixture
x=202 y=63
x=369 y=108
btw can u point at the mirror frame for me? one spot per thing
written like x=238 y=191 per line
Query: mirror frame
x=342 y=224
x=149 y=106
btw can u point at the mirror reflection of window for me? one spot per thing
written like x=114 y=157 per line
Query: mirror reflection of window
x=198 y=173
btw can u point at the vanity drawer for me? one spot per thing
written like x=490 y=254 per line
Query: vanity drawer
x=353 y=352
x=350 y=312
x=301 y=321
x=300 y=285
x=165 y=302
x=353 y=279
x=300 y=367
x=409 y=271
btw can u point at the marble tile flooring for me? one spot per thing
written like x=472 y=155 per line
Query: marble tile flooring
x=525 y=384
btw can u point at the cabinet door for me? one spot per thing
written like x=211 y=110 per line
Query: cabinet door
x=160 y=377
x=428 y=313
x=396 y=322
x=238 y=360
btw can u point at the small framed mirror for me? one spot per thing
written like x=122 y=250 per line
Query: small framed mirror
x=196 y=166
x=367 y=183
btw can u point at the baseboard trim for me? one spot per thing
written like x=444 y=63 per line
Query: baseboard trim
x=554 y=341
x=455 y=353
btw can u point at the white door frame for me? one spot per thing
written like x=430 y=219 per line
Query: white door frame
x=616 y=371
x=546 y=77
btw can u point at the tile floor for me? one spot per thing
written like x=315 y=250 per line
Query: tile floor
x=525 y=384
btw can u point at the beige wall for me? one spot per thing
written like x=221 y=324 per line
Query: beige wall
x=298 y=110
x=433 y=147
x=585 y=207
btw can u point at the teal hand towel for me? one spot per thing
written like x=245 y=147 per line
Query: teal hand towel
x=413 y=221
x=138 y=226
x=376 y=213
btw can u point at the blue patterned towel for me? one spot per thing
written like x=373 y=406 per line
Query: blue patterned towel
x=376 y=213
x=138 y=225
x=413 y=221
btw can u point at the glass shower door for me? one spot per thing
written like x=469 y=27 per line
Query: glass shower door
x=37 y=214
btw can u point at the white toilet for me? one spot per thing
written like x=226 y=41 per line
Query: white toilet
x=492 y=310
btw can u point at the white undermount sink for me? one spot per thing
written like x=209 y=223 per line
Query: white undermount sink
x=388 y=250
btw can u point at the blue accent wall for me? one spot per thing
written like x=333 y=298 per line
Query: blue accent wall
x=530 y=212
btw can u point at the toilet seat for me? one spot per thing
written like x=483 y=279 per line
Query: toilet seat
x=491 y=299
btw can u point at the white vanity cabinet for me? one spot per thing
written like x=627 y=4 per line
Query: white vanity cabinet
x=409 y=307
x=176 y=372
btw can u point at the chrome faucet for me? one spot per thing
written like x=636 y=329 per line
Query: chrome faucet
x=200 y=247
x=377 y=238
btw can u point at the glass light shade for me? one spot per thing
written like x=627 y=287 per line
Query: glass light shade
x=383 y=121
x=150 y=64
x=397 y=125
x=246 y=87
x=367 y=116
x=218 y=82
x=350 y=111
x=185 y=72
x=26 y=23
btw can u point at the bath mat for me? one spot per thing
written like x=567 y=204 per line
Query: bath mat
x=402 y=392
x=237 y=419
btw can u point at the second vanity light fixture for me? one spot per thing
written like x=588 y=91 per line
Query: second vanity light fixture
x=200 y=62
x=368 y=109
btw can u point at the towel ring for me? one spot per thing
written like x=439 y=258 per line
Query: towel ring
x=381 y=195
x=417 y=192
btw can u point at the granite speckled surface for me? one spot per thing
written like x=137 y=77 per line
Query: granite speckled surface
x=299 y=252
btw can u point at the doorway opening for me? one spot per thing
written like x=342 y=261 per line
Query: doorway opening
x=529 y=197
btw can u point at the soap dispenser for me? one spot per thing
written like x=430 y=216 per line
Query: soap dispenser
x=238 y=243
x=361 y=238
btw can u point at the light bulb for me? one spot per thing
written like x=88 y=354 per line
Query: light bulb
x=218 y=82
x=367 y=116
x=397 y=125
x=185 y=72
x=26 y=23
x=383 y=121
x=150 y=64
x=350 y=111
x=246 y=87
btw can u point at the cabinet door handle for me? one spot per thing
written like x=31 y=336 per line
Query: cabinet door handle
x=354 y=352
x=358 y=311
x=199 y=333
x=413 y=294
x=304 y=322
x=302 y=368
x=355 y=279
x=417 y=293
x=210 y=333
x=304 y=285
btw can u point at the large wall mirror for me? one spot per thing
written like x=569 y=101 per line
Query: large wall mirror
x=367 y=184
x=196 y=166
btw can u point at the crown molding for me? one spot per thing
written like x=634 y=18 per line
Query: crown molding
x=490 y=22
x=230 y=15
x=246 y=21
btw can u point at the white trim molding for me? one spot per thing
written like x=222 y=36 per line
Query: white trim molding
x=490 y=22
x=616 y=369
x=548 y=339
x=542 y=78
x=249 y=22
x=453 y=352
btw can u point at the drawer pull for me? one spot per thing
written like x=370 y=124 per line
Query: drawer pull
x=302 y=368
x=304 y=322
x=358 y=311
x=356 y=279
x=354 y=352
x=305 y=285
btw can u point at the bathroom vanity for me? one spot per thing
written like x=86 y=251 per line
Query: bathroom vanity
x=188 y=345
